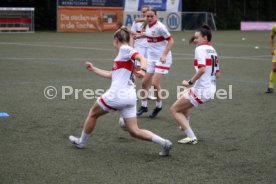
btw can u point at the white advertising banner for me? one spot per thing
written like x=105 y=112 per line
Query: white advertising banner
x=171 y=19
x=159 y=5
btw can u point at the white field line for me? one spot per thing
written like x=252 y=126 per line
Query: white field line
x=259 y=57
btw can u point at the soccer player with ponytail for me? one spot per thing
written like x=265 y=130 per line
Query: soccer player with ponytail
x=202 y=85
x=121 y=96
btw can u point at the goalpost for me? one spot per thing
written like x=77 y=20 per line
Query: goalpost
x=193 y=20
x=16 y=20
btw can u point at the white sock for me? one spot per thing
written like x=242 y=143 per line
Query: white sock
x=159 y=140
x=84 y=137
x=144 y=103
x=189 y=132
x=158 y=104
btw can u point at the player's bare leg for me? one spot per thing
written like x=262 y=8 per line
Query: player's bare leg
x=94 y=113
x=180 y=111
x=135 y=131
x=144 y=95
x=157 y=88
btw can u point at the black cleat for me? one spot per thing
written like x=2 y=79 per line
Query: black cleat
x=269 y=90
x=142 y=110
x=155 y=111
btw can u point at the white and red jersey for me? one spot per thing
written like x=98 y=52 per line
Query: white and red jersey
x=157 y=37
x=123 y=68
x=138 y=28
x=206 y=55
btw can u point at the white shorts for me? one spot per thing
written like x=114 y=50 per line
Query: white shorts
x=199 y=96
x=122 y=100
x=156 y=66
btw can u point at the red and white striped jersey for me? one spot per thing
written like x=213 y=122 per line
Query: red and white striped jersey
x=138 y=28
x=123 y=68
x=206 y=55
x=157 y=36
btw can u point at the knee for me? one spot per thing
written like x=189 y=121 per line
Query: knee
x=93 y=114
x=144 y=85
x=155 y=84
x=172 y=109
x=134 y=133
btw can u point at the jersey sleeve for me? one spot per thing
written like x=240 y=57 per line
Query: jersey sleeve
x=200 y=54
x=164 y=32
x=129 y=53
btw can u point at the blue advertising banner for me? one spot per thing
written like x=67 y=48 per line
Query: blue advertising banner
x=101 y=3
x=159 y=5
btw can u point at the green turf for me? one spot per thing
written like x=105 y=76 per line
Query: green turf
x=237 y=140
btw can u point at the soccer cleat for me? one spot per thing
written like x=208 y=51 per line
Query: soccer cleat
x=76 y=141
x=155 y=111
x=166 y=148
x=269 y=90
x=142 y=110
x=188 y=140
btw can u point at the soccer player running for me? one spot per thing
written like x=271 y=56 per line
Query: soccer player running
x=272 y=77
x=159 y=60
x=204 y=80
x=121 y=96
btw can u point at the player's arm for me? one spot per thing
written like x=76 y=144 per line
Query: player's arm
x=197 y=75
x=140 y=19
x=271 y=43
x=98 y=71
x=143 y=66
x=217 y=74
x=167 y=49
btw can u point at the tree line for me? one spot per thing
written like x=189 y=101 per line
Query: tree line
x=228 y=13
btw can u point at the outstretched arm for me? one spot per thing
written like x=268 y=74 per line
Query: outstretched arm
x=98 y=71
x=140 y=19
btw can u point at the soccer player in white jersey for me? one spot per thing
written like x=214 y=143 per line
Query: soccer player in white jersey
x=140 y=42
x=159 y=56
x=121 y=96
x=204 y=80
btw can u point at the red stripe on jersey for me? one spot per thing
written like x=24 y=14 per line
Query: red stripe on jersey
x=163 y=67
x=208 y=62
x=170 y=37
x=122 y=64
x=134 y=55
x=194 y=96
x=103 y=102
x=155 y=39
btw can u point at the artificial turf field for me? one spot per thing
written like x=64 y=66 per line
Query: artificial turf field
x=237 y=137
